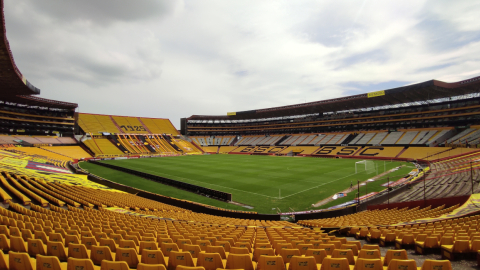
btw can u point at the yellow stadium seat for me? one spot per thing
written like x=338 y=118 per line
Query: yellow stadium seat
x=99 y=253
x=35 y=247
x=142 y=266
x=396 y=264
x=210 y=261
x=110 y=265
x=20 y=261
x=335 y=264
x=179 y=258
x=368 y=264
x=240 y=261
x=49 y=263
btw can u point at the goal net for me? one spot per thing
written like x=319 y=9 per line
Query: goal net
x=367 y=166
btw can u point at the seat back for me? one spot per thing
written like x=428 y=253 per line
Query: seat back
x=17 y=244
x=56 y=249
x=108 y=243
x=100 y=253
x=288 y=253
x=110 y=265
x=302 y=263
x=168 y=247
x=152 y=257
x=35 y=246
x=335 y=264
x=193 y=249
x=318 y=254
x=270 y=263
x=396 y=264
x=210 y=261
x=128 y=255
x=179 y=258
x=344 y=253
x=262 y=251
x=369 y=254
x=238 y=250
x=329 y=248
x=48 y=263
x=143 y=266
x=461 y=246
x=239 y=261
x=217 y=249
x=78 y=251
x=19 y=261
x=352 y=246
x=400 y=254
x=436 y=265
x=368 y=264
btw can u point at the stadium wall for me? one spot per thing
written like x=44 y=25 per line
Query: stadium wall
x=327 y=214
x=423 y=203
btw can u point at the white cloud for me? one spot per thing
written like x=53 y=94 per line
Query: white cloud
x=174 y=59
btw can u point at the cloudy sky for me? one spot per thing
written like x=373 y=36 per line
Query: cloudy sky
x=172 y=59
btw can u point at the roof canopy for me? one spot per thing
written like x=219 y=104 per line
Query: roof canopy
x=428 y=90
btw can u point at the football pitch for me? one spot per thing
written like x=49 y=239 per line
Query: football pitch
x=265 y=184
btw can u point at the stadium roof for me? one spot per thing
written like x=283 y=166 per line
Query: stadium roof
x=424 y=91
x=15 y=88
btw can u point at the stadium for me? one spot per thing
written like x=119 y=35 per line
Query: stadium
x=386 y=179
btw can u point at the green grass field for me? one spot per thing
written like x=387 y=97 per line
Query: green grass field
x=262 y=182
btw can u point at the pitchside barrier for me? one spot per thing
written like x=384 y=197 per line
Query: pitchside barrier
x=198 y=208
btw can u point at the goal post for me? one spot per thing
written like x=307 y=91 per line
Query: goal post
x=367 y=166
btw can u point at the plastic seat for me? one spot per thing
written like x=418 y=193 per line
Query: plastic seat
x=262 y=245
x=99 y=253
x=182 y=267
x=108 y=243
x=55 y=237
x=458 y=247
x=239 y=261
x=396 y=264
x=436 y=265
x=49 y=263
x=344 y=253
x=179 y=258
x=147 y=245
x=288 y=253
x=400 y=254
x=142 y=266
x=3 y=262
x=35 y=246
x=262 y=252
x=78 y=251
x=20 y=261
x=110 y=265
x=329 y=248
x=368 y=264
x=17 y=244
x=26 y=234
x=318 y=254
x=335 y=264
x=369 y=254
x=270 y=263
x=128 y=255
x=225 y=244
x=57 y=249
x=193 y=249
x=41 y=235
x=4 y=243
x=71 y=239
x=217 y=249
x=89 y=242
x=352 y=246
x=182 y=241
x=238 y=250
x=203 y=244
x=210 y=261
x=168 y=247
x=153 y=257
x=302 y=263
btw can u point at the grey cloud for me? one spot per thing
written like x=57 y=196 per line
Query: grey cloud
x=102 y=11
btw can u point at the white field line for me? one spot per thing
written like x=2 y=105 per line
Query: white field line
x=155 y=173
x=203 y=183
x=317 y=186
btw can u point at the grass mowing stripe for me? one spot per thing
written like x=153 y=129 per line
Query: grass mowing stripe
x=256 y=180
